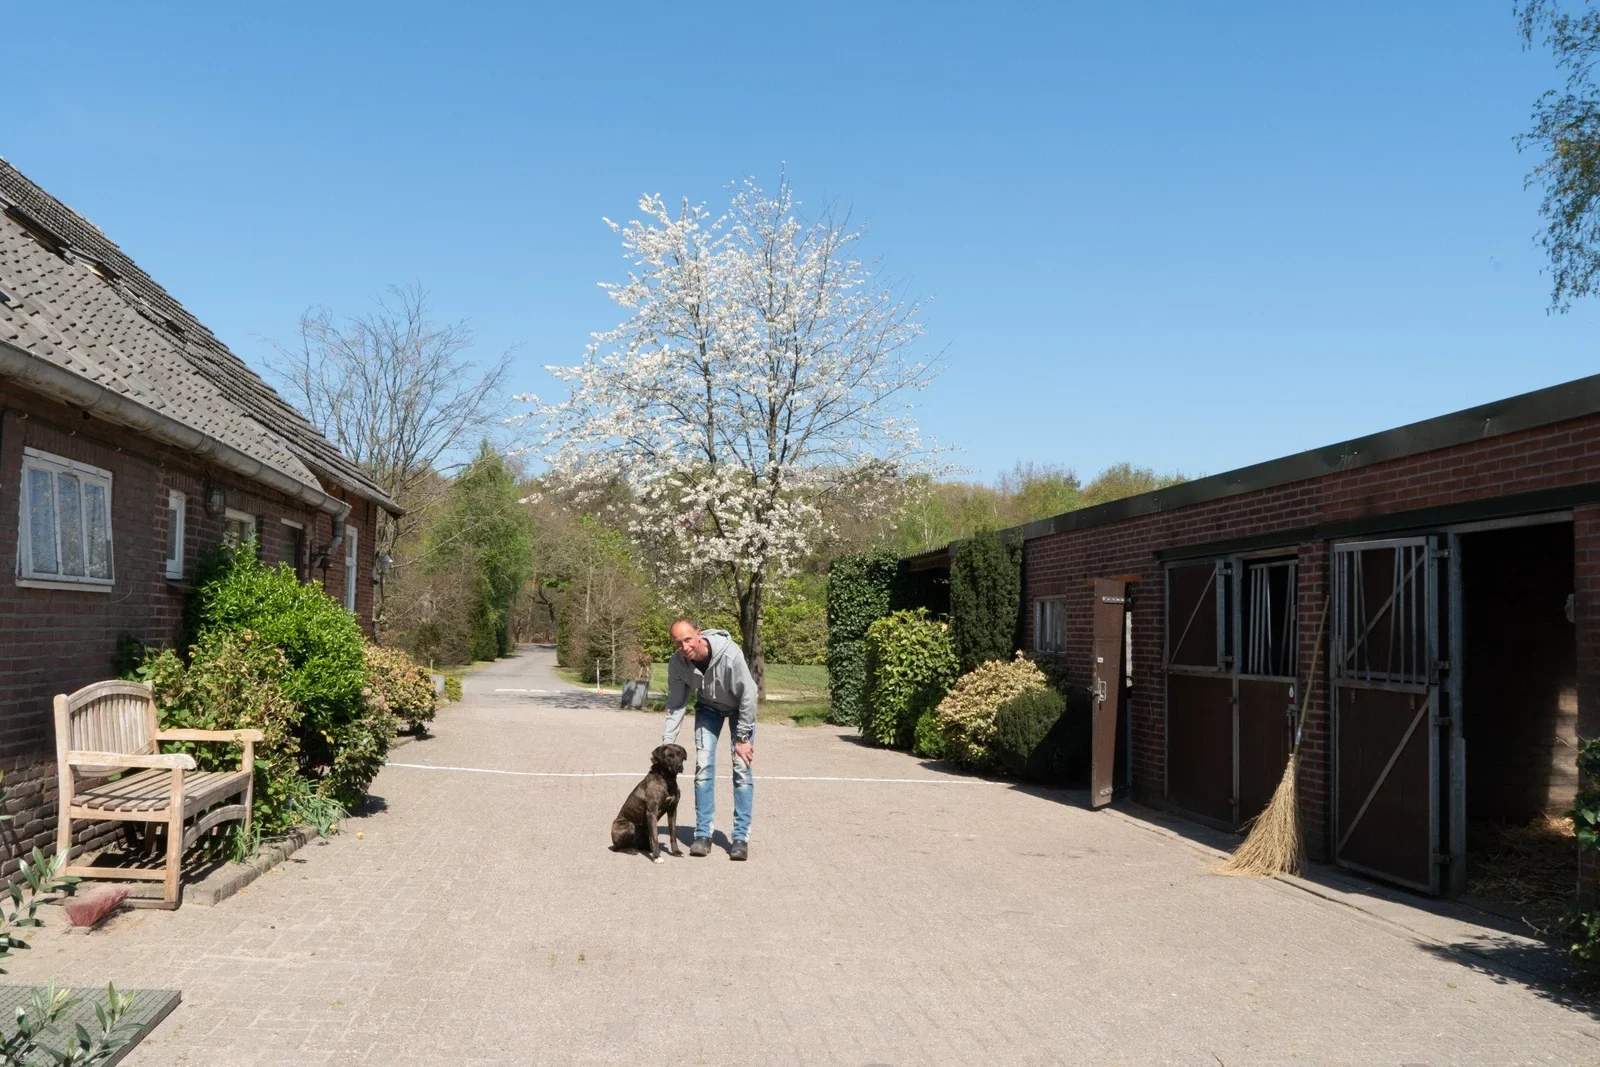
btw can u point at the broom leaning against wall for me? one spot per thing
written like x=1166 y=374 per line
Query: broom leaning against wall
x=1276 y=844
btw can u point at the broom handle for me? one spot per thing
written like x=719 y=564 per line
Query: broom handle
x=1305 y=694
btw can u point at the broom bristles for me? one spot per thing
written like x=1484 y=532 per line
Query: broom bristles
x=1274 y=846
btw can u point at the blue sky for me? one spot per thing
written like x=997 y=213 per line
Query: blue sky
x=1187 y=236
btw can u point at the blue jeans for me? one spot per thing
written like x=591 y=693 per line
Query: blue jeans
x=707 y=727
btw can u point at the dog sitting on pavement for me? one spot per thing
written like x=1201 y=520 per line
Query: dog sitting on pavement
x=634 y=828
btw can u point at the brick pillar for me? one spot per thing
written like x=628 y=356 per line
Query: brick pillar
x=1313 y=765
x=1586 y=595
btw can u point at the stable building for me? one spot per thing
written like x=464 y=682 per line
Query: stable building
x=1443 y=576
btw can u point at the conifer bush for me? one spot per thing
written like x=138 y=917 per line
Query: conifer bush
x=985 y=600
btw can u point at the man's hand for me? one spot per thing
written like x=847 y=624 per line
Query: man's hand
x=745 y=751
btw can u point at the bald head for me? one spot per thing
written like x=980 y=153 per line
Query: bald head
x=688 y=640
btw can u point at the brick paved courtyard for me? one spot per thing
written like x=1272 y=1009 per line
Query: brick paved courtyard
x=482 y=920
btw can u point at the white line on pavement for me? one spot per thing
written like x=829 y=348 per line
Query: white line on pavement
x=635 y=774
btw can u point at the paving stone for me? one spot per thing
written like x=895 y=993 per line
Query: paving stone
x=916 y=916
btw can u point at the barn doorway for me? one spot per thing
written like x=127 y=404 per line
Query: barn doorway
x=1519 y=700
x=1454 y=671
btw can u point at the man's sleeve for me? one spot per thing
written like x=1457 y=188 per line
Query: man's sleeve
x=745 y=683
x=677 y=701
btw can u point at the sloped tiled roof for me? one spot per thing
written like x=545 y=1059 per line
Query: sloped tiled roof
x=94 y=312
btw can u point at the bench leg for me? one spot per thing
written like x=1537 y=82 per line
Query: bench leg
x=174 y=841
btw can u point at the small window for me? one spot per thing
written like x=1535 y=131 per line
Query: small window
x=1050 y=625
x=177 y=506
x=64 y=528
x=294 y=547
x=351 y=539
x=237 y=527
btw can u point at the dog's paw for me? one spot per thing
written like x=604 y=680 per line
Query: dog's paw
x=658 y=859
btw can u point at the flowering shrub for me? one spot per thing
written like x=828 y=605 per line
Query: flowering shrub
x=966 y=714
x=400 y=686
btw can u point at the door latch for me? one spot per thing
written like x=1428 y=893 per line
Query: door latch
x=1100 y=691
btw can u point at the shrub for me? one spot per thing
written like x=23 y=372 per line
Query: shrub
x=1043 y=736
x=985 y=597
x=860 y=591
x=401 y=686
x=910 y=665
x=325 y=671
x=452 y=687
x=233 y=681
x=927 y=740
x=966 y=714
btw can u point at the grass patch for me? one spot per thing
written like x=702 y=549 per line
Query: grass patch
x=796 y=693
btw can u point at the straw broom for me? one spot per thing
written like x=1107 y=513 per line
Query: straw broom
x=1276 y=845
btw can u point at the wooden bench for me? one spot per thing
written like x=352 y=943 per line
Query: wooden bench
x=110 y=727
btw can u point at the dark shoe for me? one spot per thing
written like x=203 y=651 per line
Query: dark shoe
x=739 y=850
x=701 y=847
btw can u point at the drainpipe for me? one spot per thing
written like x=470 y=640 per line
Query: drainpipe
x=42 y=376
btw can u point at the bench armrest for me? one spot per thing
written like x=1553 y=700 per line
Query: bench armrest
x=176 y=761
x=209 y=735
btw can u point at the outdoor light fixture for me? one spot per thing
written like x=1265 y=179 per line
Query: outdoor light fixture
x=380 y=567
x=216 y=501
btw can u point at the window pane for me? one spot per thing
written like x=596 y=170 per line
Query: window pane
x=172 y=534
x=97 y=530
x=41 y=522
x=70 y=518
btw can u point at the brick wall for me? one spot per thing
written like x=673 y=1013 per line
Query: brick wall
x=57 y=640
x=1559 y=456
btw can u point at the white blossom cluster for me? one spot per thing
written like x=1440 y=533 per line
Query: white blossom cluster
x=761 y=372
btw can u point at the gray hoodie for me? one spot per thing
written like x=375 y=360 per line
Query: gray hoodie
x=725 y=684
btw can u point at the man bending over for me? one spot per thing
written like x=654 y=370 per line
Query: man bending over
x=710 y=665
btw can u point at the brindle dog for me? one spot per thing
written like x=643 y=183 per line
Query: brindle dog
x=634 y=828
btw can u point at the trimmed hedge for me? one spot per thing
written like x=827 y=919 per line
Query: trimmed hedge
x=910 y=665
x=985 y=600
x=1043 y=736
x=861 y=590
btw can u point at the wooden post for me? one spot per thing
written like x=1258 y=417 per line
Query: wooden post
x=174 y=838
x=64 y=783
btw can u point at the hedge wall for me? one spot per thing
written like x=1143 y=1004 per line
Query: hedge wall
x=985 y=600
x=861 y=590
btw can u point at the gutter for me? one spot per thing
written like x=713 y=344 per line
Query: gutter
x=56 y=382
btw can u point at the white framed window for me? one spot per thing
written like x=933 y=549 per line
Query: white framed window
x=64 y=523
x=177 y=508
x=351 y=540
x=237 y=527
x=1050 y=625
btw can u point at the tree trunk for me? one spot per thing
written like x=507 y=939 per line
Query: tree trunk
x=750 y=627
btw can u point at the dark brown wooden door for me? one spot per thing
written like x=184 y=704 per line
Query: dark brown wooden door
x=1388 y=709
x=1110 y=603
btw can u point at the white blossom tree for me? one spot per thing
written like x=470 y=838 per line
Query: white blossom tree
x=759 y=376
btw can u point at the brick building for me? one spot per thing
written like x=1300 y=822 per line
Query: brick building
x=1455 y=566
x=131 y=439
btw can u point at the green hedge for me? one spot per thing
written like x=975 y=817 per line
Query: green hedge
x=910 y=665
x=861 y=590
x=1043 y=736
x=985 y=598
x=343 y=736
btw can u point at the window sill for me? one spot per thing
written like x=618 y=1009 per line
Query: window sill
x=50 y=583
x=176 y=584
